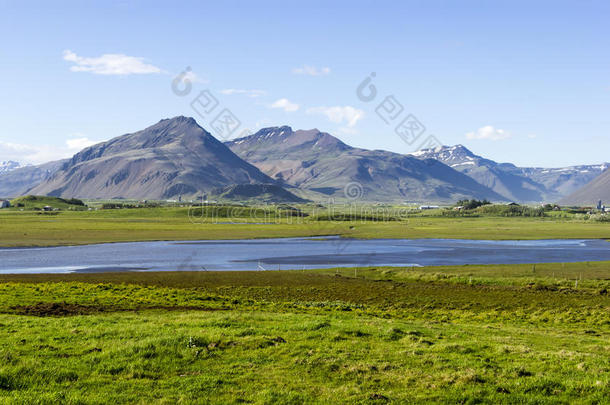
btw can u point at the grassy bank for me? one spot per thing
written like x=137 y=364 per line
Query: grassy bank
x=26 y=228
x=468 y=334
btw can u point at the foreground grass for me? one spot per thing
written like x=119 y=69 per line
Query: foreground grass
x=258 y=357
x=394 y=335
x=72 y=228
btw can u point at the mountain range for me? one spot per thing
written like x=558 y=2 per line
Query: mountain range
x=589 y=195
x=176 y=157
x=321 y=167
x=20 y=180
x=519 y=184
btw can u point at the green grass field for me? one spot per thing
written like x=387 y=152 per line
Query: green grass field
x=462 y=334
x=31 y=228
x=467 y=334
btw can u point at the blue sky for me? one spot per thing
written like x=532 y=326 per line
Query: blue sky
x=524 y=82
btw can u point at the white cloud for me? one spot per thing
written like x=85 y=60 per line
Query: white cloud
x=249 y=93
x=489 y=133
x=110 y=64
x=311 y=71
x=285 y=104
x=36 y=154
x=79 y=143
x=339 y=114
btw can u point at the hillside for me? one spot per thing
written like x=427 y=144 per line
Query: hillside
x=589 y=195
x=171 y=158
x=487 y=172
x=267 y=193
x=520 y=184
x=30 y=202
x=325 y=167
x=19 y=181
x=564 y=180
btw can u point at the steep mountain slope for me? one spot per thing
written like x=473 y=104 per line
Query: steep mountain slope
x=17 y=182
x=320 y=163
x=521 y=184
x=171 y=158
x=589 y=195
x=564 y=180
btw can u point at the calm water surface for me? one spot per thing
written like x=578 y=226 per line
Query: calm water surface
x=294 y=253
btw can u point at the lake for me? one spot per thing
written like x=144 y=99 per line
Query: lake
x=293 y=253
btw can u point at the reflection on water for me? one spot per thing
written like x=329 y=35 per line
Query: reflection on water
x=294 y=253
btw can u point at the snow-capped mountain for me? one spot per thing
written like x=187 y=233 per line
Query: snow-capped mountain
x=8 y=166
x=522 y=184
x=499 y=177
x=321 y=166
x=19 y=181
x=565 y=180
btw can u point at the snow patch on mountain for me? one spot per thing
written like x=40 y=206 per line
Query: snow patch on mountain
x=9 y=165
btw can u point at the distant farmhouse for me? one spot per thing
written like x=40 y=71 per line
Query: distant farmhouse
x=5 y=204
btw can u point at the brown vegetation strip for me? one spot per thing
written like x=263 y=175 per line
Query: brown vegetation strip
x=66 y=309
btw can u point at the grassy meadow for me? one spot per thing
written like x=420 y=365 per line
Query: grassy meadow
x=452 y=334
x=37 y=228
x=467 y=334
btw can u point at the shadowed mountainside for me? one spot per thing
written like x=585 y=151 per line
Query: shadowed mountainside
x=589 y=195
x=171 y=158
x=319 y=163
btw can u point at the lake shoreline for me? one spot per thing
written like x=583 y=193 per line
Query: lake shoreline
x=298 y=253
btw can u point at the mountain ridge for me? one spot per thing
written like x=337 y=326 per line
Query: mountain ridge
x=320 y=163
x=170 y=158
x=176 y=156
x=520 y=184
x=591 y=193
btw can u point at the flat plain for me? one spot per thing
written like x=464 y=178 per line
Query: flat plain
x=35 y=228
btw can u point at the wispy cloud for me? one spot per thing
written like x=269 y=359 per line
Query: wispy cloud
x=285 y=104
x=245 y=92
x=489 y=133
x=79 y=143
x=110 y=64
x=311 y=71
x=36 y=154
x=339 y=114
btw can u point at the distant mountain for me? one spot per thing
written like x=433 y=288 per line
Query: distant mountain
x=19 y=181
x=520 y=184
x=9 y=166
x=177 y=157
x=590 y=194
x=564 y=180
x=323 y=166
x=506 y=182
x=171 y=158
